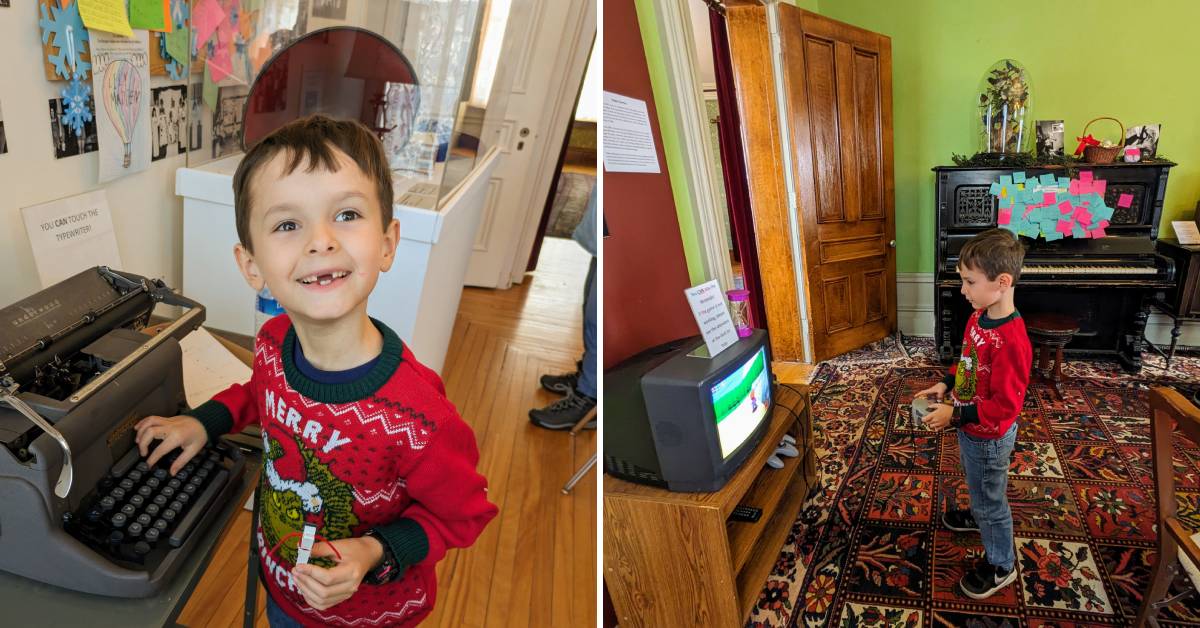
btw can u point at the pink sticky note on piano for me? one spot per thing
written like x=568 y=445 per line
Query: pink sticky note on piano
x=1098 y=233
x=1048 y=198
x=1065 y=226
x=1004 y=217
x=1083 y=216
x=1125 y=200
x=1103 y=224
x=1099 y=186
x=1065 y=207
x=1073 y=187
x=1085 y=176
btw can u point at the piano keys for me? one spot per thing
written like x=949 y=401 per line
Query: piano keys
x=1106 y=283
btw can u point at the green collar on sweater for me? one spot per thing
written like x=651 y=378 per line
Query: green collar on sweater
x=389 y=359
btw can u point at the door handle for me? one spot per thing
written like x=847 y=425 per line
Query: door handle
x=892 y=244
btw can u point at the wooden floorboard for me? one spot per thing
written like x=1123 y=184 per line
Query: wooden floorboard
x=535 y=564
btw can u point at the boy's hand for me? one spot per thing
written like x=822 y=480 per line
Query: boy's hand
x=936 y=391
x=181 y=431
x=939 y=418
x=323 y=588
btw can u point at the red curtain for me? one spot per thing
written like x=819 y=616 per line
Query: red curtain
x=733 y=163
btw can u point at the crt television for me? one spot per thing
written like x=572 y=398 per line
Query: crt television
x=678 y=419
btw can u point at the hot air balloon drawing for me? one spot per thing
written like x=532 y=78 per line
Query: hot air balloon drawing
x=122 y=97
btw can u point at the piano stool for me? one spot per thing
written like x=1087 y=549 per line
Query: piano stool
x=1051 y=332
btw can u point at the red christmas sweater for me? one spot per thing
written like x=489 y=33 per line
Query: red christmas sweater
x=990 y=378
x=386 y=452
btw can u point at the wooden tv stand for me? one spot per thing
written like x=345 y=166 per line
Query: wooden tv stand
x=671 y=559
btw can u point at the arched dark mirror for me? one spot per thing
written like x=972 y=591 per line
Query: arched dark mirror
x=342 y=72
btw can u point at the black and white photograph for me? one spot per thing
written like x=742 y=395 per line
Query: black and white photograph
x=168 y=121
x=3 y=3
x=196 y=121
x=1049 y=138
x=66 y=142
x=227 y=120
x=3 y=138
x=332 y=9
x=1143 y=138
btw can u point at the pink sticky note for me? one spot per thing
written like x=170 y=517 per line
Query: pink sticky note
x=1004 y=217
x=220 y=65
x=1103 y=224
x=1064 y=226
x=1073 y=187
x=1099 y=185
x=1085 y=176
x=1065 y=207
x=1083 y=216
x=1125 y=200
x=205 y=19
x=1098 y=233
x=1048 y=198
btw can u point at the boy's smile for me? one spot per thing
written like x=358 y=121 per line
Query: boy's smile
x=319 y=245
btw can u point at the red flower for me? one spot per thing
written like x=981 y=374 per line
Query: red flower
x=1051 y=569
x=896 y=578
x=908 y=542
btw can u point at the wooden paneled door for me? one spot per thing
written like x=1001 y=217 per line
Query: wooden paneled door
x=837 y=113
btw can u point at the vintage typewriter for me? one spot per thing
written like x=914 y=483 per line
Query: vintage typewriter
x=78 y=507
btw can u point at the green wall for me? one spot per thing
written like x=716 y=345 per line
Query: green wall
x=1135 y=61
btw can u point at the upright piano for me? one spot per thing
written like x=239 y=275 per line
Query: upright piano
x=1106 y=283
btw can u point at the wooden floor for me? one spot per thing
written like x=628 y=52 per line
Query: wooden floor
x=535 y=564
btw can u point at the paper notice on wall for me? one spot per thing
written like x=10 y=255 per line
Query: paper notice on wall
x=1186 y=231
x=121 y=83
x=628 y=138
x=71 y=235
x=712 y=315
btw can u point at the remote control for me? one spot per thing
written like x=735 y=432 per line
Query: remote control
x=748 y=514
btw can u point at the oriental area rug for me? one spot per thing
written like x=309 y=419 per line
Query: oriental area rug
x=868 y=548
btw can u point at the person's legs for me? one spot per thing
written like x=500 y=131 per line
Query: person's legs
x=276 y=617
x=587 y=372
x=985 y=463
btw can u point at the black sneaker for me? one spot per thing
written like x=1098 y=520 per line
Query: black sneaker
x=960 y=521
x=565 y=413
x=562 y=384
x=985 y=580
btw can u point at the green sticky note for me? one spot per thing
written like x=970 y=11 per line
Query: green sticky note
x=177 y=44
x=210 y=89
x=147 y=14
x=1019 y=176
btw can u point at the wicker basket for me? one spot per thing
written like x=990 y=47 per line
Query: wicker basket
x=1099 y=154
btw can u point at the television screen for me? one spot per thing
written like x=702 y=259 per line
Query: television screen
x=740 y=402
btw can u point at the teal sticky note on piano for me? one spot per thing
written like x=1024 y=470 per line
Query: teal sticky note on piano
x=995 y=189
x=1018 y=176
x=1012 y=227
x=1006 y=181
x=1064 y=183
x=1052 y=235
x=1047 y=179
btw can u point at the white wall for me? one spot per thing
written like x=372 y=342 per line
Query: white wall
x=145 y=211
x=700 y=32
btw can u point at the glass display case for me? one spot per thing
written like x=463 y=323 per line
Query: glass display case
x=257 y=65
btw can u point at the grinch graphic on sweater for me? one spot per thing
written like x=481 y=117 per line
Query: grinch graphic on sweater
x=296 y=489
x=966 y=376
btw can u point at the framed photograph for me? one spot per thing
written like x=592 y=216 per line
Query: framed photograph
x=1143 y=138
x=168 y=122
x=1049 y=138
x=329 y=9
x=227 y=120
x=66 y=143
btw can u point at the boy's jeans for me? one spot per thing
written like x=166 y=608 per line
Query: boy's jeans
x=986 y=464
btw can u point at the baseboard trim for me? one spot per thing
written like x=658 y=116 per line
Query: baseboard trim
x=915 y=316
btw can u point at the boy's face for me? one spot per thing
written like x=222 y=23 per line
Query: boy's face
x=317 y=240
x=980 y=291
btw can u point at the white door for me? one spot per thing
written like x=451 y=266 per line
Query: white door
x=541 y=67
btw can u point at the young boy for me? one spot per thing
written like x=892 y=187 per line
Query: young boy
x=359 y=438
x=988 y=385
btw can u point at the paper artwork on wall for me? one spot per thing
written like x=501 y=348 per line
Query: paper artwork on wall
x=121 y=83
x=227 y=120
x=168 y=121
x=65 y=48
x=1054 y=207
x=66 y=142
x=169 y=51
x=71 y=235
x=196 y=120
x=3 y=137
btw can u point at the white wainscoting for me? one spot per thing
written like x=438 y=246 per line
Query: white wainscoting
x=914 y=313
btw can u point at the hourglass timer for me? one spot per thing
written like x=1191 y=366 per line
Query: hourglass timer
x=739 y=310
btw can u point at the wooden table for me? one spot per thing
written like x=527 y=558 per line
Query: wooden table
x=672 y=559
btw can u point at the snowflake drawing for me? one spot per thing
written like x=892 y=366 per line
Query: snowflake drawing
x=76 y=98
x=70 y=39
x=174 y=68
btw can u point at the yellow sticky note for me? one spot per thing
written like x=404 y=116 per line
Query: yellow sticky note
x=105 y=15
x=1020 y=186
x=1003 y=192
